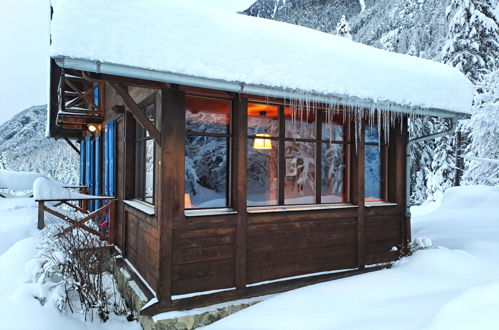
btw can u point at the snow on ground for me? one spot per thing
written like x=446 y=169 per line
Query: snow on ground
x=19 y=240
x=453 y=285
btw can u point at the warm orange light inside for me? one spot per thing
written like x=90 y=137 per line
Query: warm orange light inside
x=262 y=142
x=92 y=128
x=187 y=201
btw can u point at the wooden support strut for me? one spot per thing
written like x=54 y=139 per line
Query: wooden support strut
x=72 y=145
x=137 y=112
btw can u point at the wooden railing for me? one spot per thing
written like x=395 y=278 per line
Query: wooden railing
x=81 y=215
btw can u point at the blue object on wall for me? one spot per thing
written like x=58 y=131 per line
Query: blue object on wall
x=111 y=154
x=96 y=95
x=82 y=162
x=97 y=170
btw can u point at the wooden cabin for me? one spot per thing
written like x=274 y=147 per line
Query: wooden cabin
x=231 y=177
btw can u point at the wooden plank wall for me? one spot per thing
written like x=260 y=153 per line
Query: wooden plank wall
x=204 y=252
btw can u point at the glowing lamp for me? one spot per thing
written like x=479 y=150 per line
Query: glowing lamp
x=187 y=201
x=262 y=142
x=92 y=128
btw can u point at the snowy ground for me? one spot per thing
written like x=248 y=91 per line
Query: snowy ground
x=19 y=240
x=452 y=285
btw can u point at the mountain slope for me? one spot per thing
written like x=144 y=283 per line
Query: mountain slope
x=24 y=147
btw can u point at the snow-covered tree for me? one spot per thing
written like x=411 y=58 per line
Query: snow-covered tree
x=484 y=123
x=343 y=29
x=473 y=37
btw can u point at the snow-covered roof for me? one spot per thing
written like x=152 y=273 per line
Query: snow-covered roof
x=182 y=42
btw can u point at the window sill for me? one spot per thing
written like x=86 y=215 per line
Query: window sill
x=376 y=204
x=141 y=206
x=208 y=212
x=290 y=208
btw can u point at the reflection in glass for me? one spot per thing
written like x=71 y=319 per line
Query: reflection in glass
x=299 y=182
x=206 y=170
x=300 y=123
x=263 y=119
x=206 y=115
x=333 y=169
x=372 y=133
x=262 y=175
x=332 y=127
x=372 y=173
x=149 y=172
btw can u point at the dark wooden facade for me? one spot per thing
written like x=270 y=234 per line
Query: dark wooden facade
x=178 y=252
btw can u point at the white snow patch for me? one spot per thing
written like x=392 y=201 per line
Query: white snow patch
x=15 y=180
x=185 y=39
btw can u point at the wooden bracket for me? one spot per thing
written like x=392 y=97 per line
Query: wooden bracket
x=137 y=112
x=72 y=145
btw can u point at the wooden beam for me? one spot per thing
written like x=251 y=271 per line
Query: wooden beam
x=137 y=112
x=238 y=191
x=171 y=180
x=72 y=145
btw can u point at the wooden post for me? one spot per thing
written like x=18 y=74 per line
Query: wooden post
x=239 y=194
x=361 y=226
x=171 y=173
x=41 y=215
x=112 y=221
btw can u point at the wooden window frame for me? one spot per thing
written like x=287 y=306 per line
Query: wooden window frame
x=230 y=146
x=140 y=153
x=281 y=139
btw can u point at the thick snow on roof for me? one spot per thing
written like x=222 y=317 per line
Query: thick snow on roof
x=184 y=38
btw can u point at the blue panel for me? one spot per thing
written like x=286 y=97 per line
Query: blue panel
x=97 y=171
x=105 y=162
x=111 y=152
x=96 y=96
x=82 y=163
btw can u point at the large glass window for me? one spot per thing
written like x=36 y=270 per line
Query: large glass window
x=373 y=170
x=295 y=156
x=144 y=156
x=207 y=152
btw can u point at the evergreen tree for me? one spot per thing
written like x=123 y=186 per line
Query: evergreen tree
x=473 y=37
x=343 y=29
x=484 y=123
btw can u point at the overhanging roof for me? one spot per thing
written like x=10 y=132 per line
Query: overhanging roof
x=180 y=42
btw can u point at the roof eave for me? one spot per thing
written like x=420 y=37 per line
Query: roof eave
x=239 y=87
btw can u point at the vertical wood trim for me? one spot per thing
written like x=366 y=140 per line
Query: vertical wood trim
x=281 y=163
x=239 y=195
x=318 y=156
x=41 y=215
x=361 y=227
x=171 y=162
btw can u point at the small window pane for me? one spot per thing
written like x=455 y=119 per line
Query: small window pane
x=372 y=133
x=332 y=127
x=300 y=123
x=149 y=172
x=372 y=173
x=263 y=119
x=150 y=112
x=262 y=174
x=299 y=183
x=206 y=171
x=333 y=173
x=205 y=115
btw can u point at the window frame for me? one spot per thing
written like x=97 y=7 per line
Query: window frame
x=384 y=163
x=230 y=147
x=281 y=139
x=140 y=146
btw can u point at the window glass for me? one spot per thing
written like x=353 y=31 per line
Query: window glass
x=207 y=115
x=207 y=152
x=263 y=119
x=332 y=173
x=300 y=123
x=144 y=157
x=372 y=169
x=371 y=133
x=332 y=127
x=262 y=172
x=299 y=182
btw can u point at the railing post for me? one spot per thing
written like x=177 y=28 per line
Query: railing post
x=111 y=221
x=41 y=215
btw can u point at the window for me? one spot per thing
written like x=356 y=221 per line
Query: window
x=144 y=155
x=295 y=156
x=374 y=153
x=207 y=152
